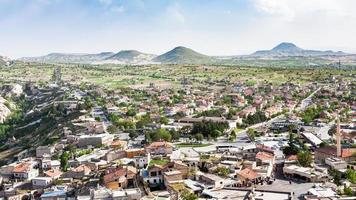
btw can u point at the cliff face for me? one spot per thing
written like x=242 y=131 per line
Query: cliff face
x=4 y=110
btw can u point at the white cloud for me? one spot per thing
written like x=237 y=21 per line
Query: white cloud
x=174 y=12
x=105 y=2
x=293 y=9
x=117 y=9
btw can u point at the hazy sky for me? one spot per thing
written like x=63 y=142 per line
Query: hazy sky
x=213 y=27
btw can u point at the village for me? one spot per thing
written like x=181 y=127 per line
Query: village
x=216 y=140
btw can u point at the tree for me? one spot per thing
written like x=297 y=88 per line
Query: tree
x=251 y=133
x=164 y=120
x=304 y=158
x=222 y=171
x=160 y=134
x=348 y=191
x=336 y=175
x=187 y=195
x=199 y=137
x=112 y=129
x=351 y=175
x=209 y=128
x=292 y=147
x=215 y=134
x=232 y=136
x=131 y=112
x=175 y=134
x=64 y=160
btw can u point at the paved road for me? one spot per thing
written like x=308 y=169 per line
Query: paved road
x=307 y=101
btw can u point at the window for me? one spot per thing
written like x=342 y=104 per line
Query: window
x=154 y=180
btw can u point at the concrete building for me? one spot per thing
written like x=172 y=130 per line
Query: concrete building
x=171 y=177
x=336 y=163
x=44 y=150
x=41 y=182
x=304 y=173
x=95 y=140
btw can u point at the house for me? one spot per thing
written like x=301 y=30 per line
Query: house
x=249 y=91
x=95 y=127
x=41 y=182
x=248 y=176
x=264 y=157
x=50 y=164
x=182 y=168
x=101 y=193
x=322 y=153
x=53 y=173
x=304 y=173
x=211 y=181
x=78 y=173
x=171 y=177
x=119 y=144
x=44 y=150
x=120 y=177
x=250 y=110
x=142 y=161
x=336 y=163
x=275 y=109
x=153 y=175
x=25 y=171
x=95 y=140
x=159 y=148
x=131 y=153
x=114 y=155
x=264 y=164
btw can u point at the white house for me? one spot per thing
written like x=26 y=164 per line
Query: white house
x=142 y=161
x=25 y=171
x=51 y=164
x=41 y=182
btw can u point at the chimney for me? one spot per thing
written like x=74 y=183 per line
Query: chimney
x=338 y=138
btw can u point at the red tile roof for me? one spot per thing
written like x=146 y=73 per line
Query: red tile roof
x=331 y=150
x=82 y=168
x=292 y=157
x=264 y=156
x=21 y=168
x=249 y=174
x=160 y=144
x=53 y=173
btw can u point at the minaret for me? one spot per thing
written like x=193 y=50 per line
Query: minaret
x=338 y=138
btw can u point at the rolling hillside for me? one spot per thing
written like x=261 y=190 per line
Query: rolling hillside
x=183 y=55
x=68 y=58
x=290 y=49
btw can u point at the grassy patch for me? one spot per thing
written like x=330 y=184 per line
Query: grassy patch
x=191 y=145
x=159 y=162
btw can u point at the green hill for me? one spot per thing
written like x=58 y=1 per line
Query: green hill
x=126 y=54
x=183 y=55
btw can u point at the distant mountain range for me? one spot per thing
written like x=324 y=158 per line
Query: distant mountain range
x=69 y=58
x=128 y=57
x=179 y=55
x=4 y=60
x=290 y=49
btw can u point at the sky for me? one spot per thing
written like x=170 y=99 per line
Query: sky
x=212 y=27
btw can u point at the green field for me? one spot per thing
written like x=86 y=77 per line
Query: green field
x=164 y=76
